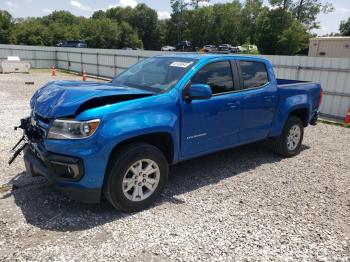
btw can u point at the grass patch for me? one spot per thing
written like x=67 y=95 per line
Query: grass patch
x=334 y=123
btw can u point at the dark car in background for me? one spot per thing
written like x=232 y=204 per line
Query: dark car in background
x=225 y=47
x=235 y=49
x=184 y=46
x=73 y=43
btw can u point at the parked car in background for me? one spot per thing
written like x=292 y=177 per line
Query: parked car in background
x=225 y=47
x=209 y=48
x=118 y=138
x=246 y=48
x=240 y=48
x=168 y=48
x=73 y=43
x=184 y=46
x=252 y=47
x=235 y=49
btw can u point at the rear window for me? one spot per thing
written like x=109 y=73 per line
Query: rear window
x=254 y=74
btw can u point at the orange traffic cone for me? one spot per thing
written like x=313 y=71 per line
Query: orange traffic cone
x=347 y=117
x=53 y=71
x=84 y=75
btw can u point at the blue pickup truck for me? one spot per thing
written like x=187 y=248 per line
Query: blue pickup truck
x=117 y=139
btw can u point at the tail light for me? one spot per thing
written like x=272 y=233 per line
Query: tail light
x=321 y=96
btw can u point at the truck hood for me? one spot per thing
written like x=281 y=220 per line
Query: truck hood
x=69 y=98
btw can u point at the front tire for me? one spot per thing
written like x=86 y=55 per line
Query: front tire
x=136 y=177
x=288 y=144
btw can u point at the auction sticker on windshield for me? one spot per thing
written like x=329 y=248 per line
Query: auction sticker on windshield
x=181 y=64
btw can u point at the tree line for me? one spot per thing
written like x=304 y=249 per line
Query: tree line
x=279 y=27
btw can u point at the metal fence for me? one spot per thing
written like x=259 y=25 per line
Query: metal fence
x=332 y=73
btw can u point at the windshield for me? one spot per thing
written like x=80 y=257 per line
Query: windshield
x=157 y=74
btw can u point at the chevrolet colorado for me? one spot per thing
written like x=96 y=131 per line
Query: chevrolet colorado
x=118 y=138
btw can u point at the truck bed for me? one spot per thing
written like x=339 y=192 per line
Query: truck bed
x=304 y=91
x=281 y=82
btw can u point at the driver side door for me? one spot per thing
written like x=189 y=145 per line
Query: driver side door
x=212 y=124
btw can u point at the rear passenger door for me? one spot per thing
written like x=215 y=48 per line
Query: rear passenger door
x=259 y=100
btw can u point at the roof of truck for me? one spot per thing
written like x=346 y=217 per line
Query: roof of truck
x=206 y=56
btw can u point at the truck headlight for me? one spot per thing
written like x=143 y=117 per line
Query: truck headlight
x=71 y=129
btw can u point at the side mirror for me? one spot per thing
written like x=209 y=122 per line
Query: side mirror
x=199 y=92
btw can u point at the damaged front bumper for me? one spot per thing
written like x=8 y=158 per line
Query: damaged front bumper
x=65 y=170
x=59 y=169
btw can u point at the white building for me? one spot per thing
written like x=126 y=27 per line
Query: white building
x=330 y=47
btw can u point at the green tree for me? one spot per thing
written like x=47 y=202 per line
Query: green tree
x=283 y=4
x=344 y=27
x=198 y=30
x=198 y=3
x=61 y=17
x=305 y=11
x=5 y=26
x=100 y=33
x=279 y=33
x=99 y=14
x=280 y=29
x=226 y=24
x=250 y=13
x=62 y=26
x=144 y=21
x=31 y=32
x=120 y=14
x=293 y=39
x=128 y=37
x=178 y=19
x=162 y=29
x=270 y=24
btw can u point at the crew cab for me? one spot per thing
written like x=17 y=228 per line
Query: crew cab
x=118 y=138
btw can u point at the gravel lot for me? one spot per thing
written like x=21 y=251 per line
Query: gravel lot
x=243 y=204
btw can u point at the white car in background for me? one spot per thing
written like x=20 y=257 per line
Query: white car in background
x=247 y=48
x=168 y=48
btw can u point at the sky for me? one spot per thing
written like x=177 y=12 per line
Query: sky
x=24 y=8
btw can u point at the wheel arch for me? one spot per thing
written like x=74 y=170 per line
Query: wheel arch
x=161 y=140
x=302 y=113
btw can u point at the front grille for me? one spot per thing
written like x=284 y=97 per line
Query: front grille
x=44 y=120
x=40 y=126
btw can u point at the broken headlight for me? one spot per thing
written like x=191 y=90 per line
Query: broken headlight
x=71 y=129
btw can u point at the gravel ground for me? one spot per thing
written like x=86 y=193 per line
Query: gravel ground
x=244 y=204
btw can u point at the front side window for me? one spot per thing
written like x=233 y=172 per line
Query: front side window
x=254 y=74
x=157 y=74
x=217 y=75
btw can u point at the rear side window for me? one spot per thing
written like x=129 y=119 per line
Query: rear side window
x=254 y=74
x=218 y=75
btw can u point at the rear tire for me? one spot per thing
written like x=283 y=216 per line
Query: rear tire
x=136 y=177
x=288 y=144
